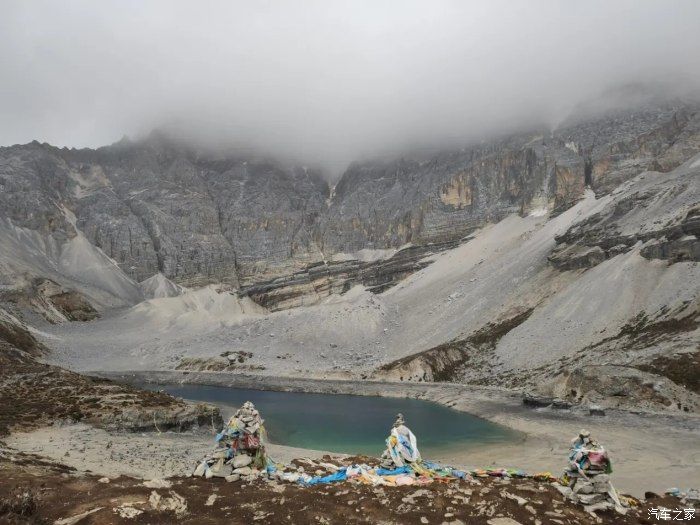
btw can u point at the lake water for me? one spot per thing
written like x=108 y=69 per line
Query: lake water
x=349 y=424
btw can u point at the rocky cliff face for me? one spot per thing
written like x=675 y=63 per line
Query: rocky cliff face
x=315 y=282
x=157 y=206
x=388 y=204
x=662 y=213
x=623 y=337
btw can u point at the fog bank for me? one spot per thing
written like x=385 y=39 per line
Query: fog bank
x=326 y=81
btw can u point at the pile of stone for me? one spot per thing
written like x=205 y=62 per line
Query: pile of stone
x=240 y=451
x=401 y=446
x=587 y=476
x=689 y=497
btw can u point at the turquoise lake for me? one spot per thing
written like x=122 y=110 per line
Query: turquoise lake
x=347 y=423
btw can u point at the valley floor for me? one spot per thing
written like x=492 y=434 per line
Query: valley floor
x=650 y=451
x=57 y=472
x=150 y=455
x=626 y=310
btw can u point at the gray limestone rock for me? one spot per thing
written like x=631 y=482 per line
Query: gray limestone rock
x=160 y=206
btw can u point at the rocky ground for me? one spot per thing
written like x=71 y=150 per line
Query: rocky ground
x=36 y=491
x=145 y=455
x=33 y=394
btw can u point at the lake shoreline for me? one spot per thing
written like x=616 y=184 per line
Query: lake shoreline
x=650 y=451
x=348 y=424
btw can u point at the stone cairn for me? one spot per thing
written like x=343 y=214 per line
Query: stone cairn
x=401 y=447
x=587 y=476
x=240 y=451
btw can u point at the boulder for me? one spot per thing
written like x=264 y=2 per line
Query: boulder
x=242 y=460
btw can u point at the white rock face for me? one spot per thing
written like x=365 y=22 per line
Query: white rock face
x=242 y=461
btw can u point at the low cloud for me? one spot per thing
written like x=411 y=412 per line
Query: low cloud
x=326 y=81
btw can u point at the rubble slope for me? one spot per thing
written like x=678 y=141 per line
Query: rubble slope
x=510 y=316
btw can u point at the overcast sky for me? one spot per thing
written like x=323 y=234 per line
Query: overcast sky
x=325 y=80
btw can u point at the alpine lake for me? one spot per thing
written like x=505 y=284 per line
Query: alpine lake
x=348 y=424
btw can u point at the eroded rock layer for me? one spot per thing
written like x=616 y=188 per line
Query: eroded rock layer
x=159 y=206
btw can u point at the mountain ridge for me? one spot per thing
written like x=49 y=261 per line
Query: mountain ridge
x=157 y=207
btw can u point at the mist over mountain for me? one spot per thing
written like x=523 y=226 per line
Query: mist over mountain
x=329 y=83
